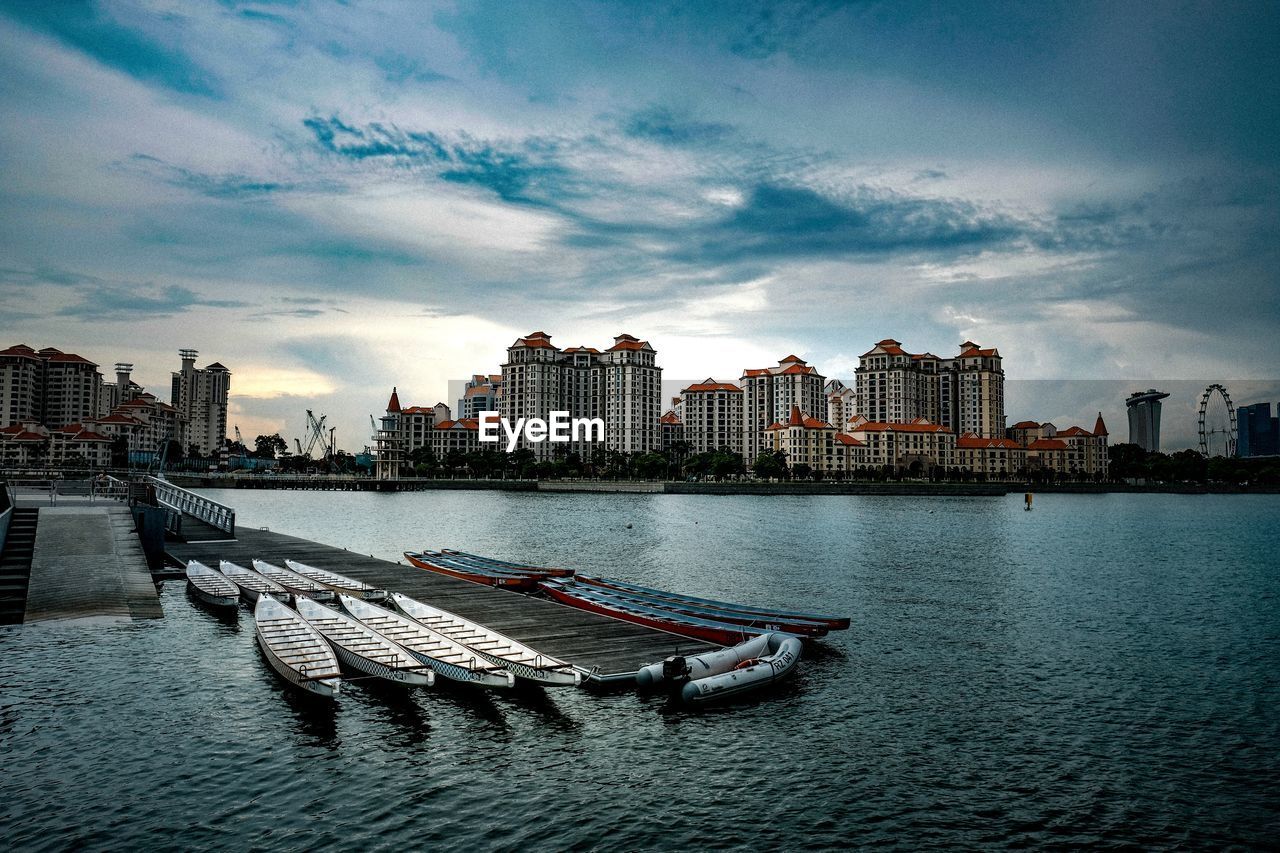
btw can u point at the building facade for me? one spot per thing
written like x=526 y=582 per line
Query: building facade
x=200 y=394
x=808 y=441
x=840 y=403
x=1257 y=431
x=964 y=393
x=712 y=416
x=621 y=385
x=918 y=448
x=1144 y=418
x=768 y=393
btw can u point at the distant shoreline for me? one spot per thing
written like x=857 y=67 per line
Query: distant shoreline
x=922 y=489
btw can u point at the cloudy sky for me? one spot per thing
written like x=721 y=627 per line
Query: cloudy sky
x=334 y=198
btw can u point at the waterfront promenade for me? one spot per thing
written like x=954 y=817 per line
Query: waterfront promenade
x=88 y=563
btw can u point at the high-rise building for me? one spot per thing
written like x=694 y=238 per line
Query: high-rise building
x=200 y=396
x=712 y=416
x=964 y=393
x=1257 y=432
x=840 y=403
x=50 y=387
x=971 y=392
x=768 y=393
x=20 y=394
x=1144 y=419
x=480 y=394
x=622 y=386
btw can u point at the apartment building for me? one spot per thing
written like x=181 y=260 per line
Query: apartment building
x=840 y=403
x=480 y=394
x=807 y=441
x=997 y=458
x=768 y=393
x=621 y=385
x=1073 y=451
x=917 y=447
x=672 y=428
x=49 y=387
x=200 y=394
x=712 y=416
x=964 y=393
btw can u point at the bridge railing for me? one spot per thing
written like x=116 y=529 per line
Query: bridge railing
x=180 y=500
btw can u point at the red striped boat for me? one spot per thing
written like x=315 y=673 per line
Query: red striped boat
x=693 y=627
x=662 y=598
x=514 y=581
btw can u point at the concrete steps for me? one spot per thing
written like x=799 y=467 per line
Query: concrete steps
x=15 y=565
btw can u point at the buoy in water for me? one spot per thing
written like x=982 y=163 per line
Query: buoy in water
x=1028 y=506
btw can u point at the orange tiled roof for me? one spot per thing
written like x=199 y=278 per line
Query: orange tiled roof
x=1047 y=444
x=393 y=405
x=710 y=384
x=69 y=357
x=1025 y=425
x=670 y=418
x=591 y=350
x=21 y=350
x=888 y=347
x=1099 y=428
x=969 y=441
x=849 y=440
x=793 y=358
x=800 y=419
x=1075 y=431
x=480 y=389
x=918 y=425
x=631 y=344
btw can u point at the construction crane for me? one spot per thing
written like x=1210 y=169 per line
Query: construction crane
x=315 y=436
x=239 y=438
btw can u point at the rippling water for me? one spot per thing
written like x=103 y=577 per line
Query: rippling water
x=1102 y=670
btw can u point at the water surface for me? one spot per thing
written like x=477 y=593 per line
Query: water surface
x=1100 y=670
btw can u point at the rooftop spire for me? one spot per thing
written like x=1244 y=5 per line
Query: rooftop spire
x=393 y=405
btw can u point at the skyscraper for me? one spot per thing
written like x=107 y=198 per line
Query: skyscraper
x=768 y=393
x=1257 y=431
x=1144 y=419
x=622 y=386
x=200 y=396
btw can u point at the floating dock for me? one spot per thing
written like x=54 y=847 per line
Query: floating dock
x=610 y=650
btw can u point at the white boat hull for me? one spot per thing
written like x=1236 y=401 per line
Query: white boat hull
x=784 y=653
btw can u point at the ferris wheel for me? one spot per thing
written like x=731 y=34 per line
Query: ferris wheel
x=1217 y=423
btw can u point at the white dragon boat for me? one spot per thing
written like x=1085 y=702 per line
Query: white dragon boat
x=521 y=660
x=294 y=649
x=365 y=650
x=294 y=582
x=445 y=656
x=211 y=586
x=337 y=582
x=251 y=583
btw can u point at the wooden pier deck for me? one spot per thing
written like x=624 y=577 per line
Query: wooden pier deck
x=610 y=649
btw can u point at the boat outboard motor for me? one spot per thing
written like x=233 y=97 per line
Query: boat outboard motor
x=675 y=668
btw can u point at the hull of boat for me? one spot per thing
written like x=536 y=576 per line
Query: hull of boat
x=721 y=634
x=211 y=599
x=523 y=662
x=705 y=665
x=326 y=687
x=834 y=623
x=479 y=677
x=784 y=653
x=336 y=582
x=516 y=583
x=491 y=562
x=359 y=663
x=812 y=630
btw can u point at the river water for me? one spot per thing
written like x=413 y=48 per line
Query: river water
x=1102 y=670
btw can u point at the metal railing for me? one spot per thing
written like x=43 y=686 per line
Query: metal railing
x=179 y=500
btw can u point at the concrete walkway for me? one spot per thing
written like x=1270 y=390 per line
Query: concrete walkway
x=88 y=563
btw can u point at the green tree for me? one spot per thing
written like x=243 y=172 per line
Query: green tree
x=650 y=466
x=770 y=465
x=270 y=446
